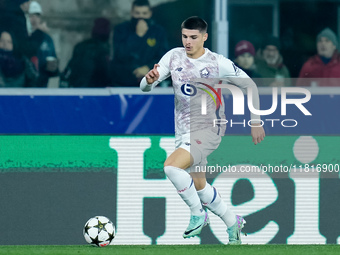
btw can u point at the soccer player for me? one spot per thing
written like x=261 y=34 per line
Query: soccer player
x=196 y=139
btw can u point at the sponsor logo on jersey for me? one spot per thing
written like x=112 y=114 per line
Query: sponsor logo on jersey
x=198 y=141
x=179 y=69
x=187 y=144
x=191 y=90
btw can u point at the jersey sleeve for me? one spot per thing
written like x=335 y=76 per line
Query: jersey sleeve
x=232 y=74
x=164 y=73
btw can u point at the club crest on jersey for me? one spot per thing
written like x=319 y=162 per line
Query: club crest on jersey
x=179 y=69
x=204 y=73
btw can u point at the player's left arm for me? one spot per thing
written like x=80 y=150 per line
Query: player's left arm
x=257 y=133
x=236 y=76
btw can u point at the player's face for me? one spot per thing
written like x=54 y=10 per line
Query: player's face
x=193 y=42
x=325 y=47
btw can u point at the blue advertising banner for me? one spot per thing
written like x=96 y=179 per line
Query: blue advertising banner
x=130 y=111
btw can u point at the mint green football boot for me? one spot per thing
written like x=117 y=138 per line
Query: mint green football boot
x=234 y=231
x=196 y=225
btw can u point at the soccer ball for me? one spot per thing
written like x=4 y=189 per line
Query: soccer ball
x=99 y=231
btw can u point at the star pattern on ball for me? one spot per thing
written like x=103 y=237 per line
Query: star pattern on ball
x=95 y=241
x=87 y=228
x=100 y=225
x=111 y=236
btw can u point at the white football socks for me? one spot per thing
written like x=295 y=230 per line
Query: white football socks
x=211 y=199
x=185 y=188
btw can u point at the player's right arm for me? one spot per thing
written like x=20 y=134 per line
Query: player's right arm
x=159 y=73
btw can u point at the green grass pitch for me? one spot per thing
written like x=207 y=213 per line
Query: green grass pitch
x=171 y=249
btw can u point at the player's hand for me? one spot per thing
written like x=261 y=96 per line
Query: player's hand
x=140 y=72
x=257 y=133
x=152 y=75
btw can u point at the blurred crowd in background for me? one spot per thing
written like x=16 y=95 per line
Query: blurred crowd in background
x=119 y=55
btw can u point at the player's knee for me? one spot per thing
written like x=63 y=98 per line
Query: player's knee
x=171 y=172
x=173 y=162
x=199 y=180
x=167 y=163
x=167 y=170
x=199 y=183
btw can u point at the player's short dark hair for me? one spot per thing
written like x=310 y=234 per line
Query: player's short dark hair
x=141 y=3
x=195 y=23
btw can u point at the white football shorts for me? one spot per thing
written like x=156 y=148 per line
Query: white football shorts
x=200 y=144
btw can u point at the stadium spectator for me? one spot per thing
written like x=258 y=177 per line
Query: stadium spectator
x=43 y=51
x=137 y=45
x=244 y=58
x=15 y=69
x=24 y=6
x=325 y=64
x=12 y=18
x=270 y=66
x=89 y=65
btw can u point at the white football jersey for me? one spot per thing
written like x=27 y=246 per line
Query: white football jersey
x=194 y=80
